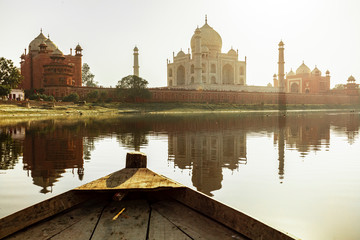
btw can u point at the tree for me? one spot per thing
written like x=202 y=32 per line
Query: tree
x=10 y=76
x=87 y=77
x=92 y=96
x=133 y=87
x=72 y=97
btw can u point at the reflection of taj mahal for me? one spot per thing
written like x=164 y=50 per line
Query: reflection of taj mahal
x=207 y=153
x=206 y=66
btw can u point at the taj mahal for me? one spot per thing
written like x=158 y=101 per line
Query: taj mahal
x=206 y=67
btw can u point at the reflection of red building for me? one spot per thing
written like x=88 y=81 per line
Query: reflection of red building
x=47 y=156
x=45 y=65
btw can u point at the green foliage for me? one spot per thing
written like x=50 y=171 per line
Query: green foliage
x=131 y=88
x=10 y=76
x=87 y=77
x=38 y=94
x=4 y=90
x=92 y=96
x=72 y=97
x=41 y=96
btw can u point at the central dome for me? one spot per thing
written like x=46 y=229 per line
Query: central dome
x=209 y=38
x=34 y=44
x=303 y=69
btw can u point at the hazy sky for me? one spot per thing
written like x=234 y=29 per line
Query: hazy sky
x=325 y=33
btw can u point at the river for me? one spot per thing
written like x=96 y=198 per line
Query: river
x=296 y=171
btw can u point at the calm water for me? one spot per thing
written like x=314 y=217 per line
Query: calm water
x=299 y=173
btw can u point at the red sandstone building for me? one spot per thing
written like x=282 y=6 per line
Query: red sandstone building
x=305 y=81
x=45 y=66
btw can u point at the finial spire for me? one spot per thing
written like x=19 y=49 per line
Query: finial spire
x=205 y=18
x=40 y=30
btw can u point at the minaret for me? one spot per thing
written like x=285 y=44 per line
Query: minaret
x=136 y=61
x=197 y=56
x=281 y=63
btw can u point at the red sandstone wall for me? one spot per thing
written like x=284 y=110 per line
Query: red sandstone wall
x=165 y=95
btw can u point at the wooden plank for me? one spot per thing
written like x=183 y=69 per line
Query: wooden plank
x=132 y=223
x=194 y=224
x=78 y=223
x=242 y=223
x=40 y=211
x=131 y=178
x=162 y=228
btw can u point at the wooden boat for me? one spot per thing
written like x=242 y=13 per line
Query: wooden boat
x=134 y=203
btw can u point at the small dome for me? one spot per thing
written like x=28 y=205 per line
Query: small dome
x=303 y=69
x=281 y=43
x=209 y=38
x=136 y=49
x=232 y=52
x=180 y=54
x=57 y=52
x=50 y=45
x=34 y=44
x=291 y=73
x=274 y=76
x=204 y=49
x=327 y=72
x=316 y=72
x=351 y=79
x=78 y=48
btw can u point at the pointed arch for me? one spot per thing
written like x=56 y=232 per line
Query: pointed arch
x=180 y=75
x=228 y=74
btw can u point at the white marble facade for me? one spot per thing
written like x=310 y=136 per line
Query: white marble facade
x=206 y=66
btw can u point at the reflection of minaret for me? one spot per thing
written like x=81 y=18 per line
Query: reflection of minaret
x=136 y=61
x=281 y=146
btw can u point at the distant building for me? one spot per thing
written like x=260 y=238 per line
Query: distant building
x=206 y=66
x=351 y=88
x=303 y=81
x=46 y=66
x=16 y=94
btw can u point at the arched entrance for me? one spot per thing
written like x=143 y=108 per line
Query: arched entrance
x=294 y=88
x=180 y=75
x=228 y=74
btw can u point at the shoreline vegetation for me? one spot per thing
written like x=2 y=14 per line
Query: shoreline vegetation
x=35 y=108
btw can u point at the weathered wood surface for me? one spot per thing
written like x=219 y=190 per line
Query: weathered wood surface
x=240 y=222
x=130 y=179
x=76 y=224
x=40 y=211
x=132 y=223
x=162 y=228
x=194 y=224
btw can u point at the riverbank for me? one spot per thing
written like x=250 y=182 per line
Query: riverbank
x=35 y=109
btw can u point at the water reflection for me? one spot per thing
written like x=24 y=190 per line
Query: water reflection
x=204 y=144
x=11 y=147
x=49 y=149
